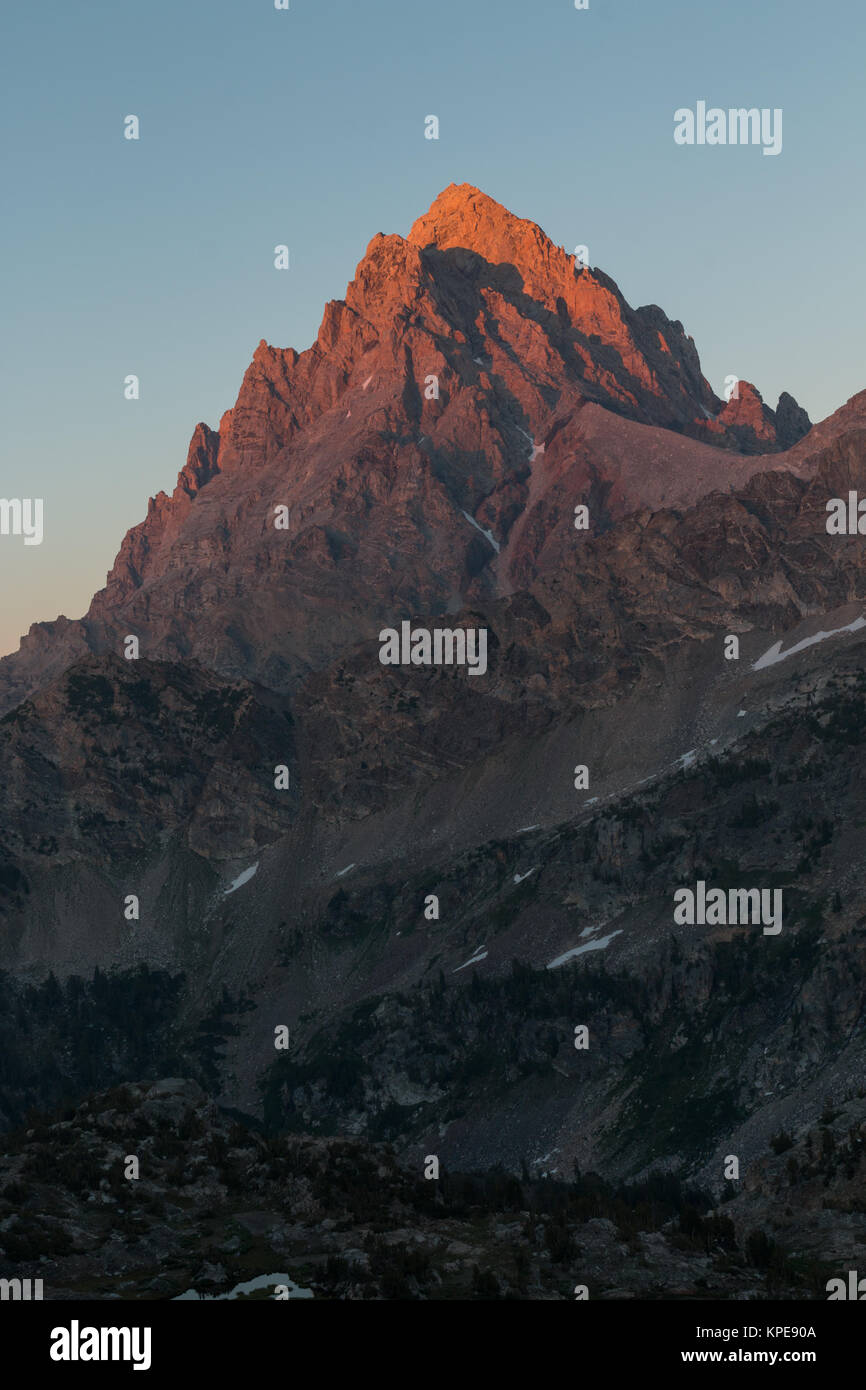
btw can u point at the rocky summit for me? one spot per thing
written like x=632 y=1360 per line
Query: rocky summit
x=403 y=919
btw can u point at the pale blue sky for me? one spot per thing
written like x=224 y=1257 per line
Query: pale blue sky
x=307 y=127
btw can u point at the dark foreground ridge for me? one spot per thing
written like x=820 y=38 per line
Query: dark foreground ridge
x=219 y=1204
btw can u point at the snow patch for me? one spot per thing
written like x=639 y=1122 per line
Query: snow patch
x=525 y=828
x=536 y=448
x=480 y=954
x=600 y=945
x=366 y=383
x=487 y=534
x=262 y=1281
x=518 y=878
x=241 y=880
x=775 y=654
x=340 y=872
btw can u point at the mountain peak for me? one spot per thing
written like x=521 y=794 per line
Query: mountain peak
x=464 y=216
x=460 y=357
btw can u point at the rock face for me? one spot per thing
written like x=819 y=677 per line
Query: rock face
x=747 y=418
x=792 y=422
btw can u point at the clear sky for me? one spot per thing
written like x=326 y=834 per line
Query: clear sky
x=306 y=127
